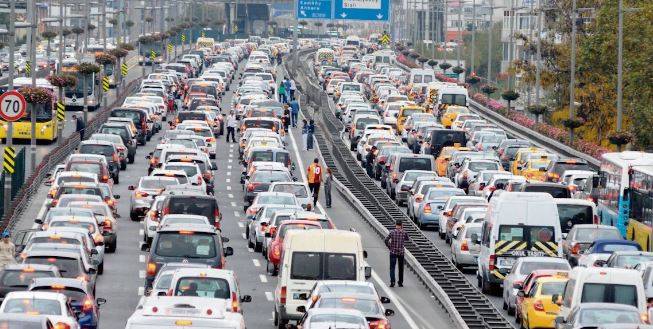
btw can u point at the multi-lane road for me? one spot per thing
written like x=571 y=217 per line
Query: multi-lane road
x=122 y=281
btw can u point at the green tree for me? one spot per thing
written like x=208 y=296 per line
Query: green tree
x=481 y=51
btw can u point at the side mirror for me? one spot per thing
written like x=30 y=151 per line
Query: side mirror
x=389 y=312
x=100 y=301
x=246 y=299
x=228 y=251
x=559 y=320
x=162 y=293
x=368 y=272
x=301 y=309
x=145 y=247
x=518 y=286
x=600 y=263
x=384 y=300
x=116 y=196
x=131 y=187
x=521 y=294
x=38 y=221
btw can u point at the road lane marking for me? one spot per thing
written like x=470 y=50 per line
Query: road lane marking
x=237 y=214
x=301 y=168
x=244 y=237
x=231 y=196
x=141 y=233
x=141 y=274
x=229 y=167
x=141 y=258
x=233 y=204
x=228 y=180
x=241 y=224
x=228 y=173
x=395 y=300
x=256 y=262
x=141 y=291
x=268 y=295
x=228 y=188
x=263 y=278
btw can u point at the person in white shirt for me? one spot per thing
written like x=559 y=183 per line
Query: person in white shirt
x=293 y=87
x=232 y=123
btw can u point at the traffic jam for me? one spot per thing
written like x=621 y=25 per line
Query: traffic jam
x=524 y=222
x=521 y=221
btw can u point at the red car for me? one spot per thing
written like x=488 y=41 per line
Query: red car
x=275 y=249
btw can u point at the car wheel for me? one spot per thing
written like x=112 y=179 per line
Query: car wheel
x=114 y=245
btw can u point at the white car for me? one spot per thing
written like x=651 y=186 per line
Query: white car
x=209 y=283
x=54 y=305
x=184 y=311
x=299 y=189
x=192 y=171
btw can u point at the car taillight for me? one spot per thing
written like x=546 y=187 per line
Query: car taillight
x=379 y=324
x=98 y=238
x=151 y=269
x=121 y=149
x=235 y=304
x=464 y=246
x=142 y=194
x=61 y=325
x=427 y=208
x=597 y=220
x=210 y=140
x=493 y=259
x=282 y=295
x=575 y=248
x=88 y=305
x=107 y=224
x=538 y=305
x=105 y=178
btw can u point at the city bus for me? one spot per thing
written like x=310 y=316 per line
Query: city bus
x=613 y=205
x=74 y=97
x=46 y=120
x=640 y=194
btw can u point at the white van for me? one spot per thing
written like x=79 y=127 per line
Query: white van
x=453 y=95
x=421 y=76
x=517 y=224
x=602 y=285
x=314 y=255
x=175 y=312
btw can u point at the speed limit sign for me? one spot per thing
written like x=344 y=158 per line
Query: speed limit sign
x=12 y=106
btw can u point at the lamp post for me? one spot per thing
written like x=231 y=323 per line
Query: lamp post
x=10 y=126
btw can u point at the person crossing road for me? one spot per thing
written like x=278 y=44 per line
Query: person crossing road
x=314 y=176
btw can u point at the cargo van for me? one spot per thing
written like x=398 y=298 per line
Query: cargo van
x=601 y=285
x=421 y=76
x=516 y=225
x=315 y=255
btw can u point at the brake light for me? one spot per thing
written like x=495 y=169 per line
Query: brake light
x=575 y=248
x=235 y=305
x=427 y=208
x=88 y=305
x=464 y=246
x=98 y=238
x=379 y=324
x=491 y=265
x=121 y=149
x=282 y=295
x=151 y=269
x=61 y=325
x=538 y=305
x=105 y=178
x=210 y=140
x=107 y=224
x=142 y=194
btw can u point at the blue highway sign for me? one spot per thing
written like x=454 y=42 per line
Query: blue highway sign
x=314 y=9
x=362 y=10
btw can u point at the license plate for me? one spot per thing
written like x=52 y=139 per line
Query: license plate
x=182 y=311
x=505 y=261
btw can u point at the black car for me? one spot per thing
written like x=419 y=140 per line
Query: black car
x=556 y=168
x=440 y=138
x=139 y=118
x=106 y=149
x=17 y=277
x=69 y=263
x=185 y=243
x=193 y=203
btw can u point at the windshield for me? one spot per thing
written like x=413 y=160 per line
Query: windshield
x=323 y=266
x=609 y=293
x=571 y=215
x=298 y=190
x=32 y=306
x=366 y=306
x=531 y=234
x=593 y=234
x=203 y=287
x=596 y=317
x=18 y=278
x=68 y=267
x=192 y=245
x=193 y=206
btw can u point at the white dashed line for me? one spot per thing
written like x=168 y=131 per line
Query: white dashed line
x=141 y=291
x=231 y=196
x=228 y=188
x=233 y=204
x=141 y=232
x=141 y=274
x=263 y=278
x=229 y=167
x=256 y=262
x=237 y=214
x=229 y=172
x=228 y=180
x=141 y=258
x=244 y=237
x=241 y=224
x=268 y=295
x=230 y=160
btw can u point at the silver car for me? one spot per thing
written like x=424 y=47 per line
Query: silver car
x=466 y=245
x=259 y=225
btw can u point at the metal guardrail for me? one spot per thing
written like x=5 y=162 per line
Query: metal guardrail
x=22 y=200
x=466 y=305
x=520 y=131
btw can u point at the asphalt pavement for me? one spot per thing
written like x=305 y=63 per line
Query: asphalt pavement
x=123 y=278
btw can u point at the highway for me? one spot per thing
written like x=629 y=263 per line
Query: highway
x=123 y=278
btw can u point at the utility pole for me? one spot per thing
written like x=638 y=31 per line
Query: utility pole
x=511 y=50
x=620 y=66
x=460 y=32
x=572 y=78
x=473 y=50
x=32 y=58
x=87 y=21
x=62 y=45
x=538 y=65
x=489 y=43
x=530 y=38
x=10 y=126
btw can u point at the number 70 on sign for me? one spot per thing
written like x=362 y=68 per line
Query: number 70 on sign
x=12 y=106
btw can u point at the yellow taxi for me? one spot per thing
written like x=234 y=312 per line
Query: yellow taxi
x=537 y=308
x=535 y=169
x=450 y=114
x=520 y=158
x=442 y=161
x=404 y=112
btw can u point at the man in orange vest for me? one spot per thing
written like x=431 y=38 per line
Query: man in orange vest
x=314 y=176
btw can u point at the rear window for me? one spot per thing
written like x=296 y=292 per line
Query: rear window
x=592 y=234
x=552 y=288
x=561 y=167
x=68 y=267
x=188 y=115
x=366 y=306
x=77 y=296
x=203 y=287
x=33 y=306
x=21 y=324
x=414 y=164
x=298 y=190
x=262 y=156
x=289 y=227
x=596 y=317
x=571 y=215
x=193 y=206
x=529 y=267
x=555 y=191
x=266 y=124
x=275 y=199
x=323 y=266
x=106 y=150
x=609 y=293
x=362 y=123
x=629 y=261
x=134 y=115
x=13 y=278
x=189 y=170
x=478 y=166
x=610 y=248
x=158 y=183
x=193 y=245
x=526 y=233
x=270 y=177
x=456 y=99
x=80 y=190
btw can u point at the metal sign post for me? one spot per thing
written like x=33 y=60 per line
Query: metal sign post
x=32 y=147
x=10 y=126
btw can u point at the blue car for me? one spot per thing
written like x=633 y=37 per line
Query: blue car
x=429 y=211
x=600 y=250
x=86 y=308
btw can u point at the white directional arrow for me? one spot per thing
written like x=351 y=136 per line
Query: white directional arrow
x=379 y=16
x=303 y=13
x=343 y=15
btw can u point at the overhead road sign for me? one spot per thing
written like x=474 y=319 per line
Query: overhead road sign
x=362 y=10
x=314 y=9
x=12 y=106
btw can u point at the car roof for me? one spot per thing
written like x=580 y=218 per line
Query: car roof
x=68 y=282
x=36 y=267
x=195 y=228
